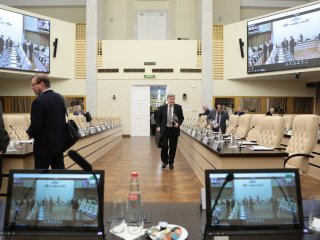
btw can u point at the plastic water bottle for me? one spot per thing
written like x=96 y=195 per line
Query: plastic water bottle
x=134 y=212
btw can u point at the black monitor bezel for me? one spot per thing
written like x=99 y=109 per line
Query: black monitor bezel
x=6 y=226
x=298 y=226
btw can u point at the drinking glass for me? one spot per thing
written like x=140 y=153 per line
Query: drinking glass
x=117 y=216
x=314 y=213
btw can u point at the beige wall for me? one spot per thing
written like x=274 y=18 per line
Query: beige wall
x=226 y=11
x=122 y=89
x=132 y=54
x=253 y=12
x=74 y=14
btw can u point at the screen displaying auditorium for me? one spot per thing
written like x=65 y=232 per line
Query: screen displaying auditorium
x=24 y=42
x=288 y=40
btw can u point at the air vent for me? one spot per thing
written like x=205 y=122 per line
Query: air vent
x=162 y=70
x=190 y=70
x=108 y=70
x=149 y=63
x=133 y=70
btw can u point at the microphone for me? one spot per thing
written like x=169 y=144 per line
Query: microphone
x=250 y=130
x=230 y=132
x=83 y=163
x=228 y=178
x=78 y=159
x=20 y=143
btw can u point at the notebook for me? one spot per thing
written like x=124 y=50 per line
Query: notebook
x=253 y=201
x=53 y=202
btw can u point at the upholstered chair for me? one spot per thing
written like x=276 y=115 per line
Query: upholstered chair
x=243 y=125
x=252 y=135
x=303 y=139
x=232 y=124
x=270 y=131
x=288 y=121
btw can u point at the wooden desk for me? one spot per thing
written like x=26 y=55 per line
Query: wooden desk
x=90 y=147
x=202 y=156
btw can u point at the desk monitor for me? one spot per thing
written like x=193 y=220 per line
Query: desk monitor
x=53 y=200
x=254 y=200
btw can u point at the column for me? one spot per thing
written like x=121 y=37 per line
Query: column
x=207 y=68
x=93 y=33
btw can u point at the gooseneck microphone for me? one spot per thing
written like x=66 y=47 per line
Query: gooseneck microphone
x=230 y=133
x=228 y=178
x=78 y=159
x=86 y=166
x=20 y=142
x=250 y=130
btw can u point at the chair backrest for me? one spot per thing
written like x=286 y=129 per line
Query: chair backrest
x=253 y=133
x=233 y=122
x=288 y=119
x=270 y=131
x=303 y=139
x=243 y=125
x=19 y=123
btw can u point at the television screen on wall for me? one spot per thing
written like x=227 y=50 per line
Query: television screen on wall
x=288 y=40
x=24 y=42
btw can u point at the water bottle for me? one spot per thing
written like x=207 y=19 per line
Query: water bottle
x=134 y=213
x=220 y=137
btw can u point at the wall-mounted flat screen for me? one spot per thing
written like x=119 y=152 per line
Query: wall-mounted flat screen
x=288 y=40
x=24 y=42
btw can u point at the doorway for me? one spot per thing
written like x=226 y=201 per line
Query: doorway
x=157 y=99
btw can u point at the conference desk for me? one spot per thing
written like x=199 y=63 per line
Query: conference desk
x=203 y=156
x=187 y=215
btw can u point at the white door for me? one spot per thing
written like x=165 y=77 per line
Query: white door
x=151 y=26
x=140 y=111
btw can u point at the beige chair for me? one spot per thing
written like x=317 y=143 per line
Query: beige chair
x=253 y=133
x=18 y=122
x=243 y=126
x=270 y=131
x=232 y=124
x=288 y=121
x=303 y=139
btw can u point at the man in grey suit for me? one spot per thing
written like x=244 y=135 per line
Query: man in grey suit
x=218 y=117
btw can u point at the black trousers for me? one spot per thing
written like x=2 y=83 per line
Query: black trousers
x=55 y=160
x=169 y=145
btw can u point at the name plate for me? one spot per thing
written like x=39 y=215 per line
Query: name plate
x=193 y=133
x=92 y=130
x=216 y=145
x=98 y=129
x=108 y=126
x=205 y=140
x=103 y=127
x=189 y=131
x=82 y=134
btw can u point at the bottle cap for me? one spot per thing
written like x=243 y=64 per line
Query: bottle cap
x=134 y=174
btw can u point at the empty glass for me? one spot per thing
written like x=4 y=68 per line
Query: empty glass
x=117 y=216
x=314 y=213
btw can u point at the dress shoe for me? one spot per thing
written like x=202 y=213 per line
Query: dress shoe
x=171 y=165
x=164 y=165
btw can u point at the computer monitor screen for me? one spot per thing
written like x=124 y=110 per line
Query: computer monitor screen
x=53 y=200
x=24 y=42
x=284 y=41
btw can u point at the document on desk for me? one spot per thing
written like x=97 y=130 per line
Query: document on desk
x=261 y=148
x=248 y=143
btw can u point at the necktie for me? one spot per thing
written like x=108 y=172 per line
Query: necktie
x=169 y=119
x=218 y=119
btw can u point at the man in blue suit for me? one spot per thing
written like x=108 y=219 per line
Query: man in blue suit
x=169 y=119
x=48 y=124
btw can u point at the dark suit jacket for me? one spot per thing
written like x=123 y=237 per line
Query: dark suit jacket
x=223 y=118
x=239 y=113
x=48 y=123
x=206 y=112
x=162 y=118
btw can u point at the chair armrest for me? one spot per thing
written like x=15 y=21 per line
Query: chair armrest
x=297 y=155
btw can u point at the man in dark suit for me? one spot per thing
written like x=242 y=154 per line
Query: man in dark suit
x=239 y=112
x=206 y=111
x=169 y=119
x=218 y=117
x=271 y=111
x=48 y=124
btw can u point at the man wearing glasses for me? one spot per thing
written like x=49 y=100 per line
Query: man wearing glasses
x=48 y=124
